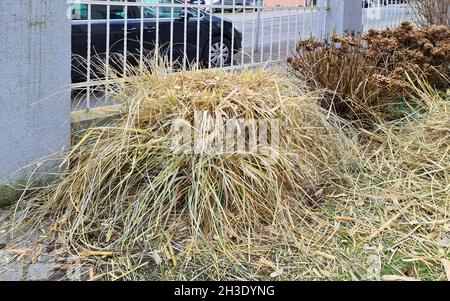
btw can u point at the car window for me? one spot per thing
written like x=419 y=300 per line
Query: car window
x=79 y=11
x=164 y=12
x=99 y=12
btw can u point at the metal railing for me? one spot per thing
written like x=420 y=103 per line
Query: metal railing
x=382 y=14
x=213 y=34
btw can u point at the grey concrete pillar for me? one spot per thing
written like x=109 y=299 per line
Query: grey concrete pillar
x=35 y=50
x=342 y=16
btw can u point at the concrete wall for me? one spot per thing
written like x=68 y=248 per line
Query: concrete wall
x=35 y=48
x=342 y=16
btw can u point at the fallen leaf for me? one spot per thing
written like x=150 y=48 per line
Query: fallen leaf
x=156 y=257
x=399 y=278
x=277 y=273
x=446 y=264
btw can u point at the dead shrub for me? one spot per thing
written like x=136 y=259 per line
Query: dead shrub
x=432 y=12
x=369 y=76
x=405 y=49
x=337 y=67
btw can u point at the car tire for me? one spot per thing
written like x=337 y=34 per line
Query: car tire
x=215 y=50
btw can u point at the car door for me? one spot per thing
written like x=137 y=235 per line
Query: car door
x=170 y=23
x=124 y=27
x=80 y=36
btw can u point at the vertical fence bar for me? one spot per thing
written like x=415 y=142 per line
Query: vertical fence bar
x=296 y=21
x=108 y=44
x=197 y=50
x=288 y=27
x=222 y=11
x=253 y=32
x=232 y=34
x=125 y=40
x=210 y=38
x=271 y=29
x=141 y=39
x=322 y=19
x=280 y=22
x=172 y=16
x=258 y=24
x=243 y=32
x=311 y=20
x=185 y=35
x=261 y=24
x=304 y=20
x=89 y=35
x=157 y=44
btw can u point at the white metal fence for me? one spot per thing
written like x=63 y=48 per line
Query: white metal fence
x=109 y=35
x=214 y=34
x=381 y=14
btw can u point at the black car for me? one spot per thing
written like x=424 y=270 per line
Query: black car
x=196 y=1
x=377 y=3
x=238 y=5
x=169 y=17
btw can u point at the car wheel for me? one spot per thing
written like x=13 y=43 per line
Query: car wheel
x=220 y=56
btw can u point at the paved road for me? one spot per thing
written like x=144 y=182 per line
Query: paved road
x=275 y=27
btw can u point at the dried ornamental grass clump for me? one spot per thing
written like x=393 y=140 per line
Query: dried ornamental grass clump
x=126 y=188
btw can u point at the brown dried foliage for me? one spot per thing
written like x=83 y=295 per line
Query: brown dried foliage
x=422 y=50
x=367 y=76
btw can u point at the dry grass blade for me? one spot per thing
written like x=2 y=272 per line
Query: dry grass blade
x=446 y=264
x=398 y=278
